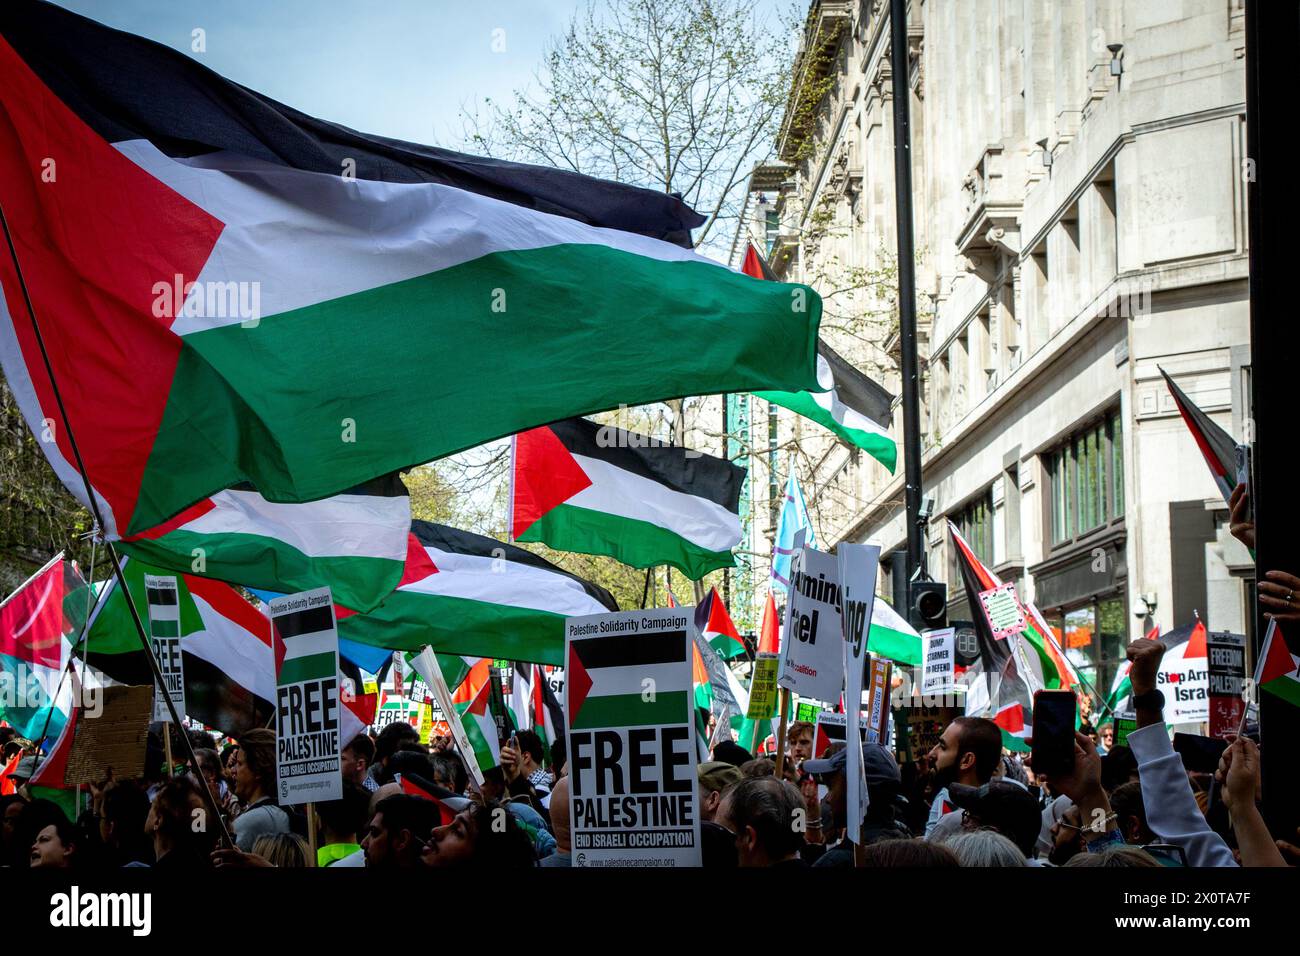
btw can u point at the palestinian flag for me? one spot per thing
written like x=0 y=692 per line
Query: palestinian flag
x=855 y=408
x=604 y=681
x=355 y=542
x=47 y=783
x=535 y=705
x=416 y=786
x=1225 y=458
x=715 y=626
x=892 y=637
x=727 y=700
x=232 y=291
x=472 y=702
x=596 y=489
x=36 y=623
x=1278 y=670
x=1015 y=722
x=454 y=681
x=464 y=593
x=226 y=647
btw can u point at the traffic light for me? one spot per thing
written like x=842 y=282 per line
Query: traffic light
x=927 y=604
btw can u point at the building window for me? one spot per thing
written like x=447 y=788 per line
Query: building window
x=772 y=227
x=975 y=522
x=1093 y=637
x=1086 y=473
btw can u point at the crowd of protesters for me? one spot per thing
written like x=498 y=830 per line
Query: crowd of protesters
x=968 y=802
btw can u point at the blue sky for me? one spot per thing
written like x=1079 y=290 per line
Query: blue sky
x=402 y=68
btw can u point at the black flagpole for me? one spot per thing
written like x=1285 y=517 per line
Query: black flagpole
x=99 y=521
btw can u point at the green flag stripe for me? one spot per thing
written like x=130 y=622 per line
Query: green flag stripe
x=164 y=628
x=879 y=446
x=307 y=667
x=631 y=710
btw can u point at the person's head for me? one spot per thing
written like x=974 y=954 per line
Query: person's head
x=799 y=741
x=1117 y=855
x=342 y=820
x=758 y=767
x=388 y=742
x=228 y=760
x=1131 y=814
x=357 y=757
x=559 y=753
x=210 y=767
x=1106 y=734
x=883 y=781
x=967 y=752
x=11 y=810
x=1118 y=767
x=982 y=848
x=123 y=811
x=560 y=815
x=1001 y=805
x=763 y=813
x=397 y=831
x=284 y=849
x=445 y=771
x=482 y=836
x=177 y=820
x=909 y=853
x=714 y=777
x=531 y=752
x=408 y=762
x=728 y=751
x=1067 y=836
x=55 y=846
x=255 y=765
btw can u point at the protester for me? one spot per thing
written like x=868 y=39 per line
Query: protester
x=254 y=785
x=728 y=751
x=123 y=810
x=917 y=852
x=339 y=823
x=55 y=843
x=762 y=813
x=968 y=753
x=356 y=760
x=984 y=848
x=1118 y=855
x=1003 y=806
x=880 y=821
x=714 y=778
x=182 y=835
x=394 y=837
x=1239 y=774
x=559 y=826
x=480 y=837
x=388 y=742
x=799 y=742
x=283 y=850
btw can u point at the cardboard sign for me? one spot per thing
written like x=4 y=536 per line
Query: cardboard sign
x=114 y=740
x=308 y=751
x=859 y=568
x=877 y=723
x=939 y=661
x=426 y=665
x=163 y=598
x=812 y=659
x=921 y=725
x=631 y=736
x=1226 y=653
x=763 y=688
x=1003 y=610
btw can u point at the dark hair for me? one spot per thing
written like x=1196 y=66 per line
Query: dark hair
x=391 y=737
x=983 y=738
x=460 y=775
x=500 y=847
x=1126 y=801
x=758 y=767
x=227 y=752
x=208 y=759
x=1117 y=767
x=559 y=753
x=402 y=811
x=769 y=806
x=349 y=813
x=362 y=746
x=40 y=814
x=126 y=806
x=915 y=853
x=531 y=744
x=174 y=808
x=406 y=761
x=445 y=771
x=258 y=746
x=201 y=740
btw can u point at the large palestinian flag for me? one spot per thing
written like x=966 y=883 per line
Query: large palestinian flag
x=229 y=664
x=465 y=593
x=354 y=542
x=233 y=291
x=855 y=408
x=596 y=489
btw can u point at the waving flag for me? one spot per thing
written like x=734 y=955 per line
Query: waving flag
x=1278 y=670
x=535 y=705
x=465 y=593
x=232 y=291
x=229 y=664
x=793 y=519
x=849 y=404
x=1226 y=459
x=597 y=489
x=715 y=626
x=353 y=542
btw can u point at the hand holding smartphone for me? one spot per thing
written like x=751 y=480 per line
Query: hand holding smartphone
x=1053 y=740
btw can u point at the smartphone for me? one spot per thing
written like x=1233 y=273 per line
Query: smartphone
x=1053 y=745
x=1167 y=854
x=1200 y=754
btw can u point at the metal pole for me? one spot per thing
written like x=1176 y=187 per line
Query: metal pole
x=911 y=385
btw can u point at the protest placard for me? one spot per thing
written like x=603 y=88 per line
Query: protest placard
x=1227 y=677
x=114 y=740
x=631 y=738
x=939 y=661
x=877 y=722
x=763 y=688
x=163 y=598
x=426 y=665
x=831 y=728
x=308 y=751
x=1003 y=610
x=858 y=569
x=812 y=660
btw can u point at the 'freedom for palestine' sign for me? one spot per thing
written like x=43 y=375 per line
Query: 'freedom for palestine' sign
x=308 y=751
x=633 y=799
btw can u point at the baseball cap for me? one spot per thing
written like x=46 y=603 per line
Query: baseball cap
x=879 y=764
x=717 y=774
x=1005 y=806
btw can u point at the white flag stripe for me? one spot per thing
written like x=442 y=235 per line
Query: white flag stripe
x=637 y=679
x=472 y=577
